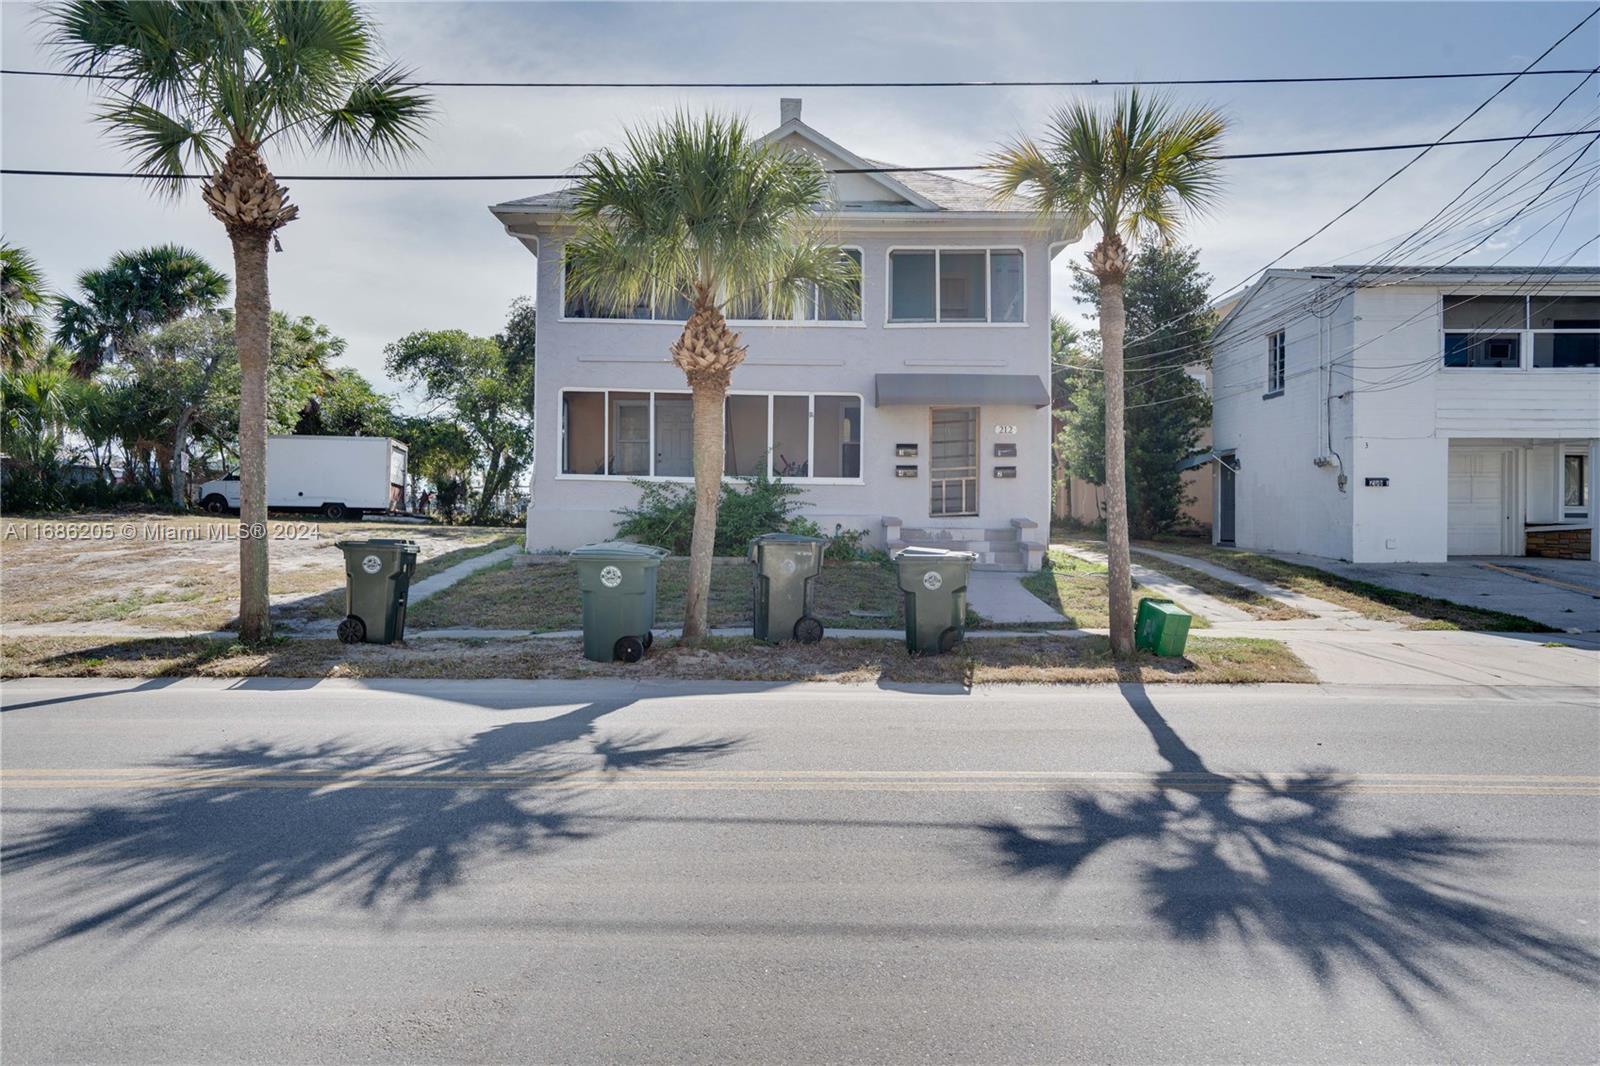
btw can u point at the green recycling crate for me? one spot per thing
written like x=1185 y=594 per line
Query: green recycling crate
x=934 y=581
x=1162 y=628
x=377 y=580
x=783 y=566
x=618 y=584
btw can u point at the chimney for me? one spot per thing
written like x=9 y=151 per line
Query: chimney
x=789 y=108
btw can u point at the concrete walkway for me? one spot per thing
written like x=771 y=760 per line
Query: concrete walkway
x=1000 y=598
x=1489 y=583
x=1327 y=613
x=1209 y=607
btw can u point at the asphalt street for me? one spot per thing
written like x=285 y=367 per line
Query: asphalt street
x=283 y=871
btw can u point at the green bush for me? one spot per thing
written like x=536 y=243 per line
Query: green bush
x=664 y=515
x=844 y=545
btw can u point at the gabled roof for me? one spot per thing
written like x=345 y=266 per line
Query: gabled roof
x=914 y=192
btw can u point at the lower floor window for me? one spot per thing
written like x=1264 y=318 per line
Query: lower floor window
x=651 y=434
x=1575 y=486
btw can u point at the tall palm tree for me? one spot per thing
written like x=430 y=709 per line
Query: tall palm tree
x=214 y=86
x=1134 y=171
x=22 y=299
x=695 y=212
x=135 y=292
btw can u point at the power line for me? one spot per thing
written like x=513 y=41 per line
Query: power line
x=1296 y=153
x=1041 y=83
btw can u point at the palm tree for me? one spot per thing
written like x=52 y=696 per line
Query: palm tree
x=694 y=212
x=137 y=291
x=1134 y=171
x=22 y=298
x=214 y=86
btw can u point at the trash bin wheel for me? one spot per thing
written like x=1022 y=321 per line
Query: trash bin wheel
x=949 y=639
x=649 y=639
x=628 y=649
x=808 y=630
x=352 y=630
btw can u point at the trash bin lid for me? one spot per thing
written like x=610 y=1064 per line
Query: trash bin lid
x=620 y=550
x=787 y=538
x=377 y=542
x=919 y=553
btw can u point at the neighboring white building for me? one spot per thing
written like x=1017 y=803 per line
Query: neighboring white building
x=923 y=417
x=1407 y=414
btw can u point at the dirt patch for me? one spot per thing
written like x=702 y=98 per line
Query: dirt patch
x=985 y=661
x=182 y=571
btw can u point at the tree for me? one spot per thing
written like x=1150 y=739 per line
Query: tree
x=213 y=86
x=175 y=372
x=698 y=213
x=1066 y=369
x=487 y=398
x=1133 y=171
x=1166 y=296
x=136 y=292
x=22 y=301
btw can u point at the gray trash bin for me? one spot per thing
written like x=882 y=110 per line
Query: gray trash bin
x=934 y=581
x=618 y=583
x=377 y=580
x=783 y=566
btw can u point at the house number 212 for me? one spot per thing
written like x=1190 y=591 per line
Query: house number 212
x=1005 y=431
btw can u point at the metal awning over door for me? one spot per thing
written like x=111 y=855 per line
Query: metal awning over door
x=926 y=390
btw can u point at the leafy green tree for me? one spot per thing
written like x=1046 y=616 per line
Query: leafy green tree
x=346 y=405
x=214 y=86
x=700 y=213
x=174 y=371
x=1066 y=368
x=1133 y=172
x=38 y=405
x=1167 y=301
x=472 y=378
x=23 y=298
x=134 y=293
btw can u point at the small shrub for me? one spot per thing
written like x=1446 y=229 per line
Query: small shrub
x=664 y=515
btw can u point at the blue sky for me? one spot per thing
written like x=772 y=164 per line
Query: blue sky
x=377 y=261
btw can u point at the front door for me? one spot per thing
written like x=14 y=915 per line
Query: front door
x=1226 y=504
x=1478 y=515
x=953 y=462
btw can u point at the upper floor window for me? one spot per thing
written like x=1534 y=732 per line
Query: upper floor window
x=956 y=285
x=1541 y=330
x=669 y=307
x=1277 y=363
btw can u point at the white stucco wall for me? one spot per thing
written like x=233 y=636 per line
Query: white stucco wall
x=811 y=358
x=1284 y=501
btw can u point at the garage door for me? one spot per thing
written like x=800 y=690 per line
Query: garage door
x=1477 y=502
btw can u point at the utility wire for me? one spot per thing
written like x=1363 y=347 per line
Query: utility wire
x=1042 y=83
x=1296 y=153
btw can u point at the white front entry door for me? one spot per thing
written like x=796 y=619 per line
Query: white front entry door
x=1478 y=515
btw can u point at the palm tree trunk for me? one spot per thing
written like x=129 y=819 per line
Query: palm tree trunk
x=253 y=325
x=1113 y=327
x=709 y=400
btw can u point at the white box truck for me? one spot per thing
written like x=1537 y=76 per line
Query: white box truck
x=337 y=476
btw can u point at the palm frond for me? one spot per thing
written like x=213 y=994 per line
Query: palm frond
x=164 y=147
x=383 y=118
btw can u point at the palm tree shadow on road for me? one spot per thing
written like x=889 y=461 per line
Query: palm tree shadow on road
x=233 y=833
x=1281 y=863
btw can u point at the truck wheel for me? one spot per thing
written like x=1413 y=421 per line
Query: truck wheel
x=628 y=649
x=215 y=504
x=352 y=630
x=334 y=511
x=808 y=630
x=949 y=639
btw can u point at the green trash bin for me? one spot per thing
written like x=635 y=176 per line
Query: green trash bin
x=934 y=581
x=1161 y=628
x=618 y=583
x=377 y=580
x=783 y=566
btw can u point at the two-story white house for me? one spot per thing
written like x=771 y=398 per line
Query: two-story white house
x=1405 y=414
x=921 y=416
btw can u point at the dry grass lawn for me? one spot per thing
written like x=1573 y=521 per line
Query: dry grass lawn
x=1263 y=608
x=1077 y=588
x=986 y=661
x=182 y=571
x=1368 y=600
x=543 y=597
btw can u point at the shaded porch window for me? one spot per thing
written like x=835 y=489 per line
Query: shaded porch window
x=583 y=433
x=836 y=423
x=745 y=436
